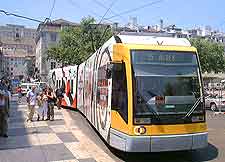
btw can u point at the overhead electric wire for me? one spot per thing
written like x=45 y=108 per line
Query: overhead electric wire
x=53 y=6
x=20 y=16
x=75 y=4
x=135 y=9
x=105 y=7
x=110 y=6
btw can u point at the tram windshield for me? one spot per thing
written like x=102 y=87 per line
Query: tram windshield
x=165 y=82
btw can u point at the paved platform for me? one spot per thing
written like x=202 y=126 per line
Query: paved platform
x=47 y=141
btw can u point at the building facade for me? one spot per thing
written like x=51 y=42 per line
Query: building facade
x=48 y=35
x=18 y=46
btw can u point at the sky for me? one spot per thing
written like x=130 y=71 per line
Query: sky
x=183 y=13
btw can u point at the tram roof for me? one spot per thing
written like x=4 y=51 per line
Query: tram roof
x=151 y=39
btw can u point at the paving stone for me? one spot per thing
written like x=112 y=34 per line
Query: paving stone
x=47 y=139
x=78 y=150
x=17 y=120
x=56 y=122
x=31 y=154
x=14 y=142
x=87 y=160
x=67 y=137
x=59 y=128
x=58 y=113
x=57 y=152
x=71 y=160
x=32 y=130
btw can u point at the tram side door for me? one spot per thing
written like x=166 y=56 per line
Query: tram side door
x=103 y=97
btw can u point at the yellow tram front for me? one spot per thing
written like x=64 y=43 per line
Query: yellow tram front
x=157 y=99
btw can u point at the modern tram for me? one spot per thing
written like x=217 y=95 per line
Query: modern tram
x=141 y=93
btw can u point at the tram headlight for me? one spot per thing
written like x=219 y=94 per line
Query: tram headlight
x=140 y=130
x=198 y=118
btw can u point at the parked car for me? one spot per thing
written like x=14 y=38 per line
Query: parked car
x=215 y=103
x=40 y=86
x=26 y=87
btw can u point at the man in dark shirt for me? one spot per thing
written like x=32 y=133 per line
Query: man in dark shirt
x=4 y=109
x=59 y=95
x=51 y=103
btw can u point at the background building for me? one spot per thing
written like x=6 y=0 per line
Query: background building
x=18 y=44
x=48 y=35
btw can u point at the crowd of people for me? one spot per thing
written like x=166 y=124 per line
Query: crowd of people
x=45 y=101
x=39 y=102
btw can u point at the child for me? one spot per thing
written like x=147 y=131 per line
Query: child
x=40 y=106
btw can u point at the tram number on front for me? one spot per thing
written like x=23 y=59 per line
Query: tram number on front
x=159 y=100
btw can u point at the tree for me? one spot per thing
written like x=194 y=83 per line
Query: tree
x=78 y=43
x=211 y=55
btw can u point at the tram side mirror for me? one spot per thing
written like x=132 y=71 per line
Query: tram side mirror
x=113 y=69
x=109 y=69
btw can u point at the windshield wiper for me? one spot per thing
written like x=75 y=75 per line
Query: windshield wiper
x=155 y=114
x=193 y=108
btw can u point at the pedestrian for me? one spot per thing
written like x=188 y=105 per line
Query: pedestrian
x=59 y=96
x=19 y=92
x=43 y=105
x=51 y=103
x=4 y=109
x=31 y=101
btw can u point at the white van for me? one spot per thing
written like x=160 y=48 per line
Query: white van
x=26 y=87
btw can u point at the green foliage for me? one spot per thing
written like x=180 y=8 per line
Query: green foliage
x=211 y=55
x=78 y=43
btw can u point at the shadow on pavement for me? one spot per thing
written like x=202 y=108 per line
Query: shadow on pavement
x=16 y=129
x=201 y=155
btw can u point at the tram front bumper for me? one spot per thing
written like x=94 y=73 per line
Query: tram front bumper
x=128 y=143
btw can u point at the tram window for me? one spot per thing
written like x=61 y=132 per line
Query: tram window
x=71 y=86
x=57 y=84
x=119 y=90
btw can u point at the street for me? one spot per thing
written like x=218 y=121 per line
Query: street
x=71 y=138
x=214 y=152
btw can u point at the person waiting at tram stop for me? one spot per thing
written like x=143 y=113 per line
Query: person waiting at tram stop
x=42 y=105
x=59 y=95
x=4 y=108
x=31 y=102
x=51 y=102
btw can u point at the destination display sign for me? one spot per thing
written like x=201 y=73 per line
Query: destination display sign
x=162 y=57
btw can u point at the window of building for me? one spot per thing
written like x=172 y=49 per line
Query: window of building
x=11 y=69
x=53 y=36
x=11 y=73
x=53 y=65
x=17 y=35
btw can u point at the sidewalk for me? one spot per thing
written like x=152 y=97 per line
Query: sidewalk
x=47 y=141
